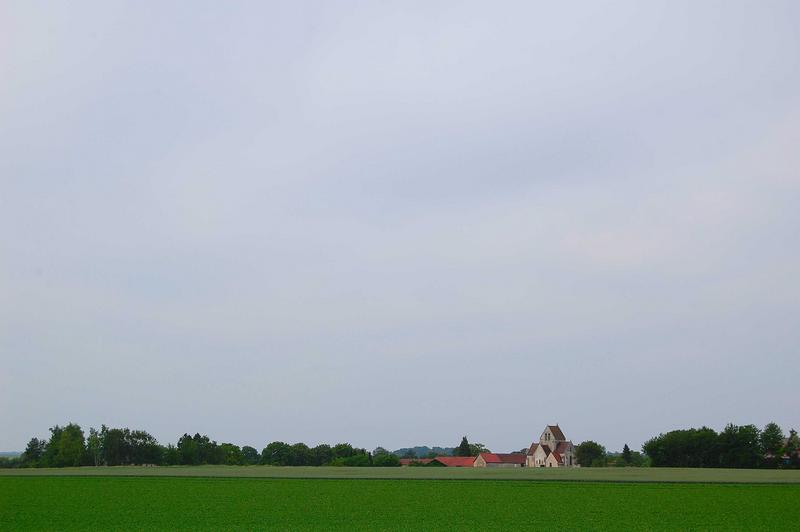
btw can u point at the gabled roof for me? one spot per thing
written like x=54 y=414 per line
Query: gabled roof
x=455 y=461
x=407 y=461
x=556 y=431
x=558 y=457
x=501 y=458
x=533 y=448
x=512 y=458
x=546 y=449
x=563 y=446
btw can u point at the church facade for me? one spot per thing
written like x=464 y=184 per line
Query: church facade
x=552 y=450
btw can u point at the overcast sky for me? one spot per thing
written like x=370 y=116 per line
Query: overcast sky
x=399 y=223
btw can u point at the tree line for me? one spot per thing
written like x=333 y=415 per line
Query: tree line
x=737 y=446
x=69 y=446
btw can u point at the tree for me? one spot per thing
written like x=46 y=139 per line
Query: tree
x=33 y=453
x=771 y=439
x=94 y=447
x=792 y=448
x=477 y=448
x=250 y=455
x=322 y=454
x=627 y=456
x=276 y=453
x=188 y=450
x=232 y=454
x=385 y=459
x=463 y=449
x=590 y=454
x=115 y=445
x=144 y=449
x=684 y=448
x=739 y=446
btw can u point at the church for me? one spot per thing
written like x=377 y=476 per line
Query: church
x=552 y=450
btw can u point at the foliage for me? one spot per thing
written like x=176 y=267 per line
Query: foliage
x=771 y=439
x=590 y=454
x=463 y=449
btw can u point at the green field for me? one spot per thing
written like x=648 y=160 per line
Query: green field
x=609 y=474
x=108 y=503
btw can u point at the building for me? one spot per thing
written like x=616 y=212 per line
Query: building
x=500 y=460
x=454 y=461
x=419 y=461
x=552 y=450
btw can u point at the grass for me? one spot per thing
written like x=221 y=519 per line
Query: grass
x=449 y=473
x=109 y=503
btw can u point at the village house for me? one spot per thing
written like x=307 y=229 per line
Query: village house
x=552 y=450
x=499 y=460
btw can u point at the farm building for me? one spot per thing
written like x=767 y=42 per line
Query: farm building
x=454 y=461
x=500 y=460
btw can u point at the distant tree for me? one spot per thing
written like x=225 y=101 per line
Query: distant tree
x=463 y=448
x=322 y=454
x=94 y=447
x=684 y=448
x=356 y=460
x=739 y=446
x=34 y=452
x=477 y=448
x=431 y=454
x=144 y=449
x=379 y=450
x=250 y=455
x=627 y=455
x=276 y=453
x=771 y=439
x=791 y=448
x=590 y=454
x=410 y=454
x=66 y=447
x=188 y=450
x=231 y=454
x=300 y=455
x=170 y=455
x=385 y=459
x=344 y=450
x=115 y=445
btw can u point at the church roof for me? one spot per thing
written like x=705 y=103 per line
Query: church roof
x=557 y=434
x=563 y=446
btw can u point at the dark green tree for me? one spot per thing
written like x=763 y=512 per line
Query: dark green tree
x=34 y=452
x=94 y=447
x=739 y=446
x=771 y=439
x=627 y=455
x=322 y=454
x=463 y=448
x=590 y=454
x=250 y=455
x=276 y=453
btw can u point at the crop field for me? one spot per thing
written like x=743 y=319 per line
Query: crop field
x=608 y=474
x=194 y=503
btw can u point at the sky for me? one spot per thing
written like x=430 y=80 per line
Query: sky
x=397 y=223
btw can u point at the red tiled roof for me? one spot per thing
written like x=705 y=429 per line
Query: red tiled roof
x=563 y=446
x=512 y=458
x=557 y=434
x=546 y=448
x=558 y=457
x=456 y=461
x=501 y=458
x=407 y=461
x=533 y=448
